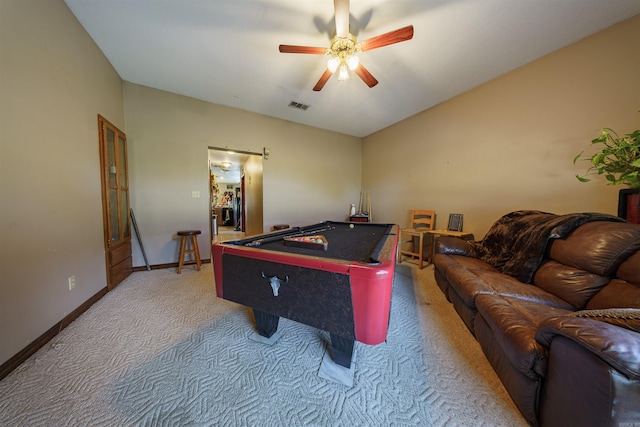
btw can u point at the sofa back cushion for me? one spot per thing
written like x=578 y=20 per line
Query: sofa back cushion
x=630 y=269
x=623 y=291
x=617 y=294
x=598 y=247
x=573 y=285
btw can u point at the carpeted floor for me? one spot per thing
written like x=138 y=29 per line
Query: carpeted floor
x=161 y=349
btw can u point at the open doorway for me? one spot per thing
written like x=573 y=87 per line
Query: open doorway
x=235 y=193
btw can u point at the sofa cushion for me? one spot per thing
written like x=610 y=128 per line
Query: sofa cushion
x=630 y=269
x=617 y=294
x=574 y=285
x=467 y=285
x=599 y=247
x=514 y=323
x=508 y=286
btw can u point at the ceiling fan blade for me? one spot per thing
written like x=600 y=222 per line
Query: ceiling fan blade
x=286 y=48
x=366 y=76
x=341 y=8
x=397 y=36
x=323 y=80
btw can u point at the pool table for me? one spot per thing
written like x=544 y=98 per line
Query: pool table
x=341 y=285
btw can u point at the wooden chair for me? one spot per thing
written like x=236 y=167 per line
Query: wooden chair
x=421 y=222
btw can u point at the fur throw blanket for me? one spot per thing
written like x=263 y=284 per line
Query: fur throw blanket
x=516 y=243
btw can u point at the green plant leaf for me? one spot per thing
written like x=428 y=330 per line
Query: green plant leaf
x=598 y=159
x=577 y=157
x=618 y=159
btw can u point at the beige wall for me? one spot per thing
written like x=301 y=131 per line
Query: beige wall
x=311 y=174
x=509 y=144
x=53 y=83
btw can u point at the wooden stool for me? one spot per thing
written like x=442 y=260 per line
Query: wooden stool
x=189 y=234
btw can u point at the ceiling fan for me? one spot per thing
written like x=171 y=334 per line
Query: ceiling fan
x=223 y=166
x=345 y=48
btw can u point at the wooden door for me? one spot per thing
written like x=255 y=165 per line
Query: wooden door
x=243 y=217
x=115 y=202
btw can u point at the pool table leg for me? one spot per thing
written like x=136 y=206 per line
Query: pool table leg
x=341 y=350
x=266 y=323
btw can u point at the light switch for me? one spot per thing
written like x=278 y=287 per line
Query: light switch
x=195 y=194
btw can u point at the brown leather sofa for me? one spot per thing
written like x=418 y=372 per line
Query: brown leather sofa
x=554 y=302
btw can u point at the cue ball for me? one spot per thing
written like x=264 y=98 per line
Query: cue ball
x=350 y=225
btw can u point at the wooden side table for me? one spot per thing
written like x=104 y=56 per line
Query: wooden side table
x=435 y=233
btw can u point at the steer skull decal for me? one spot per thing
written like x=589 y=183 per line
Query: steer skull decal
x=275 y=283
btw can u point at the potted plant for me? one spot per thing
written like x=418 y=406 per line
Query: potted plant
x=619 y=161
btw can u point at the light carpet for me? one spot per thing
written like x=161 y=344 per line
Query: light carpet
x=162 y=350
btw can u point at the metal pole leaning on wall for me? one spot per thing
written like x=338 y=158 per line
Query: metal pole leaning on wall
x=135 y=228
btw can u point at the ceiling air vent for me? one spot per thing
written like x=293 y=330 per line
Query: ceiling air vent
x=299 y=106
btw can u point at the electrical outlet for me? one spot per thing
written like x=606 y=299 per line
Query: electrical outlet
x=195 y=194
x=72 y=283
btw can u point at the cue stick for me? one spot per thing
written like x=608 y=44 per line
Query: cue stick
x=369 y=206
x=286 y=236
x=360 y=204
x=135 y=228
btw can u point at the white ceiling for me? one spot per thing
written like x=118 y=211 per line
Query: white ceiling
x=226 y=51
x=234 y=172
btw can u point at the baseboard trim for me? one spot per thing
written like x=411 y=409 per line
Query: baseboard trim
x=7 y=367
x=169 y=265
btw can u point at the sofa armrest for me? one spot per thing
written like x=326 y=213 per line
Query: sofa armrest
x=611 y=335
x=454 y=246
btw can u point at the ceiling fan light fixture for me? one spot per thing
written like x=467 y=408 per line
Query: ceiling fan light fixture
x=332 y=64
x=353 y=62
x=344 y=73
x=344 y=48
